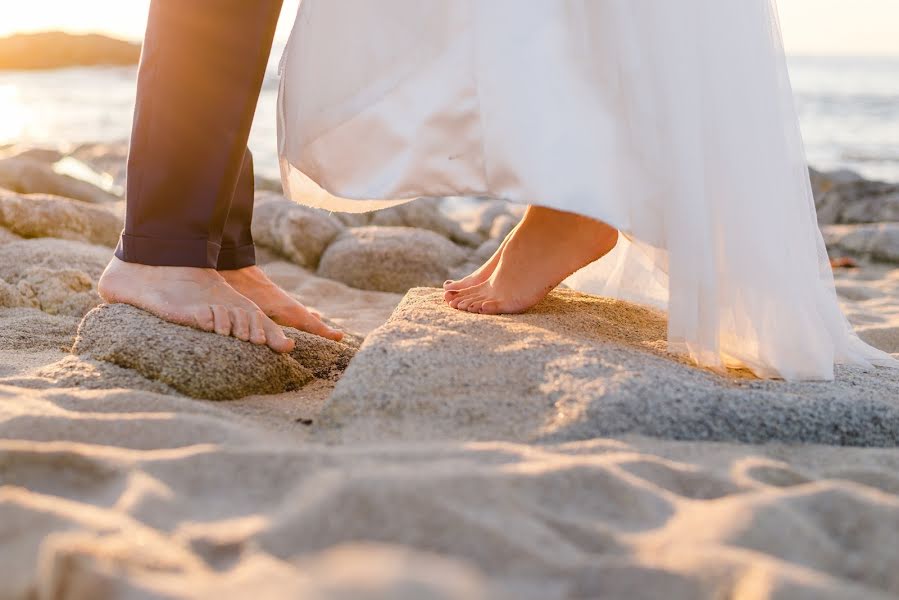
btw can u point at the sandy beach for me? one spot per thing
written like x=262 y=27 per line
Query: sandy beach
x=557 y=454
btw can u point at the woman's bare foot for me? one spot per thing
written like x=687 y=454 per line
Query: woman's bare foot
x=253 y=283
x=199 y=298
x=481 y=275
x=546 y=247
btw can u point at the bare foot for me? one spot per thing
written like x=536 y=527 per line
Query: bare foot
x=481 y=275
x=253 y=283
x=546 y=247
x=199 y=298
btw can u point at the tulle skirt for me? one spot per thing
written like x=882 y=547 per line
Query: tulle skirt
x=672 y=121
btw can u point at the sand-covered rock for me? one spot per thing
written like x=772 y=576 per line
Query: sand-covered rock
x=390 y=259
x=200 y=364
x=28 y=176
x=296 y=232
x=578 y=367
x=56 y=276
x=18 y=258
x=31 y=329
x=87 y=374
x=878 y=241
x=39 y=215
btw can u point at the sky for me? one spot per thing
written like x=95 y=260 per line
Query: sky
x=824 y=27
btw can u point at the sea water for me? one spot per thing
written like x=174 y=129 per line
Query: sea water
x=848 y=108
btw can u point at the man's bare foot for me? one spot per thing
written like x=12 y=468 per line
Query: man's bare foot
x=546 y=247
x=253 y=283
x=199 y=298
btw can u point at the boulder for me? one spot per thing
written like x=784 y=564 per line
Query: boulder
x=878 y=241
x=425 y=213
x=296 y=232
x=580 y=367
x=39 y=215
x=844 y=197
x=107 y=158
x=56 y=276
x=44 y=155
x=31 y=330
x=390 y=259
x=29 y=176
x=200 y=364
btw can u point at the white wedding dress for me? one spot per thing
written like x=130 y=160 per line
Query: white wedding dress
x=672 y=120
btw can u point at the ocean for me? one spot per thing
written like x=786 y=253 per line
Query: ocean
x=848 y=107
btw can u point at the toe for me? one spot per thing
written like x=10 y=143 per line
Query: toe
x=240 y=324
x=257 y=327
x=275 y=338
x=314 y=325
x=490 y=307
x=465 y=302
x=222 y=319
x=475 y=306
x=456 y=286
x=204 y=319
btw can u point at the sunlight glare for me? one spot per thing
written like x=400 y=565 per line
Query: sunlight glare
x=14 y=115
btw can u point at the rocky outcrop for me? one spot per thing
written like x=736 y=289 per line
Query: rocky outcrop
x=425 y=213
x=39 y=215
x=30 y=176
x=56 y=276
x=200 y=364
x=55 y=50
x=390 y=259
x=578 y=367
x=844 y=197
x=877 y=241
x=296 y=232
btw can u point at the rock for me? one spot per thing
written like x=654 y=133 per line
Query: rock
x=62 y=292
x=297 y=232
x=8 y=237
x=425 y=213
x=44 y=155
x=879 y=241
x=31 y=330
x=354 y=219
x=503 y=226
x=844 y=197
x=56 y=276
x=324 y=358
x=200 y=364
x=578 y=367
x=28 y=176
x=39 y=215
x=268 y=186
x=56 y=50
x=18 y=258
x=487 y=211
x=390 y=259
x=88 y=374
x=108 y=158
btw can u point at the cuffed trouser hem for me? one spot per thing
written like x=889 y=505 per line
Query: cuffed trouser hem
x=159 y=252
x=237 y=258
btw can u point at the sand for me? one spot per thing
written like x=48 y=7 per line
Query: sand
x=598 y=467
